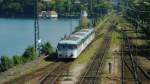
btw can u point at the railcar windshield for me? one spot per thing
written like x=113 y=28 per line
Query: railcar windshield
x=66 y=46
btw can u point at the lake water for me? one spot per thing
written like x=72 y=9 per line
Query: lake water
x=17 y=34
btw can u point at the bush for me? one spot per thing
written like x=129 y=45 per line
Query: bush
x=1 y=68
x=78 y=28
x=29 y=54
x=6 y=63
x=17 y=60
x=46 y=49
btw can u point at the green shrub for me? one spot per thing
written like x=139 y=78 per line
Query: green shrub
x=6 y=63
x=17 y=60
x=84 y=23
x=78 y=28
x=46 y=49
x=29 y=54
x=1 y=68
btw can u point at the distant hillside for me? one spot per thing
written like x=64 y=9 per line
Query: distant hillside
x=25 y=8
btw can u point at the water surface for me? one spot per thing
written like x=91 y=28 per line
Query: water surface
x=17 y=34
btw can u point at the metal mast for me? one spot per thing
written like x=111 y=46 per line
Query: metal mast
x=70 y=12
x=36 y=28
x=91 y=11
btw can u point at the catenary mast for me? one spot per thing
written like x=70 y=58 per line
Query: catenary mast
x=37 y=40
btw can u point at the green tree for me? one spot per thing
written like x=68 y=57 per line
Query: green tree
x=139 y=10
x=46 y=49
x=84 y=23
x=103 y=6
x=6 y=63
x=50 y=5
x=17 y=60
x=29 y=54
x=15 y=7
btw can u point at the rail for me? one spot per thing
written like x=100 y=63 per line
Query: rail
x=91 y=75
x=54 y=74
x=129 y=60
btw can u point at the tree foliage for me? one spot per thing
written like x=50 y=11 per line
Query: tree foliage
x=46 y=49
x=29 y=54
x=140 y=13
x=6 y=63
x=17 y=60
x=63 y=7
x=17 y=7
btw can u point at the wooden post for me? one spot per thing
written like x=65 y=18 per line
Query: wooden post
x=110 y=67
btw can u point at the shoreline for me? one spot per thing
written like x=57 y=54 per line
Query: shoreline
x=59 y=17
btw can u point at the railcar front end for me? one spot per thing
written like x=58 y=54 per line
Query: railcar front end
x=66 y=50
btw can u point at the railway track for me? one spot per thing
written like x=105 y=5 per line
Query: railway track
x=91 y=74
x=132 y=72
x=55 y=73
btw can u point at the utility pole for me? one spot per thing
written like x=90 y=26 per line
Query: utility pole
x=91 y=12
x=70 y=12
x=118 y=7
x=37 y=40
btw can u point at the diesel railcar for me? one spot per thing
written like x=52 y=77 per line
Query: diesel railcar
x=72 y=46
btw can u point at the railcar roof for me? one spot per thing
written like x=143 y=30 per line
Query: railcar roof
x=79 y=34
x=76 y=37
x=84 y=30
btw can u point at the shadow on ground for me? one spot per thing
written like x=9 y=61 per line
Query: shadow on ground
x=53 y=58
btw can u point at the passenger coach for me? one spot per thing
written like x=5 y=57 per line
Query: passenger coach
x=72 y=45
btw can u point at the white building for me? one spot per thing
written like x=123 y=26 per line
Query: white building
x=53 y=14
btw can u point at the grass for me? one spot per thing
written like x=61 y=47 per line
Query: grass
x=67 y=79
x=116 y=38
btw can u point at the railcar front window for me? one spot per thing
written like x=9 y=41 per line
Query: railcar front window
x=60 y=47
x=73 y=46
x=66 y=46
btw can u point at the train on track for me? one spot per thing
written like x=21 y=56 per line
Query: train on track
x=72 y=46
